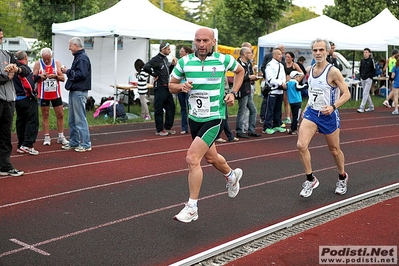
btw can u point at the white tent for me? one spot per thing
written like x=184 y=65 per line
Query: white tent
x=112 y=59
x=384 y=26
x=301 y=34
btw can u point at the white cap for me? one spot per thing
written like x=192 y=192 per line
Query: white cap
x=294 y=73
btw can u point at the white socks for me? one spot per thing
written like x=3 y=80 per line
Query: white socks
x=230 y=176
x=192 y=202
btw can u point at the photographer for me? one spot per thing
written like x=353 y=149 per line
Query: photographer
x=276 y=78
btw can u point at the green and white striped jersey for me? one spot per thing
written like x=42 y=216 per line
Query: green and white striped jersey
x=206 y=98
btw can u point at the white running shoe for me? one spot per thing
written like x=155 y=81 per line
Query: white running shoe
x=233 y=187
x=31 y=151
x=187 y=214
x=342 y=185
x=386 y=104
x=62 y=140
x=47 y=141
x=308 y=187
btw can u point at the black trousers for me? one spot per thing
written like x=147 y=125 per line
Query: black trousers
x=296 y=112
x=27 y=122
x=163 y=99
x=6 y=118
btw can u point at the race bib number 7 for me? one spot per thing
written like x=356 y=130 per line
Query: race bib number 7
x=200 y=104
x=316 y=101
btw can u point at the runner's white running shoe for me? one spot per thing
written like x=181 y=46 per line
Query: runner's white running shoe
x=342 y=185
x=187 y=214
x=233 y=187
x=308 y=187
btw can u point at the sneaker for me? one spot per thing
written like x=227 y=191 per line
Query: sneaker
x=261 y=121
x=187 y=214
x=31 y=151
x=360 y=110
x=183 y=132
x=269 y=131
x=395 y=112
x=82 y=149
x=47 y=141
x=171 y=132
x=62 y=140
x=279 y=129
x=287 y=121
x=233 y=187
x=12 y=172
x=20 y=151
x=147 y=118
x=308 y=187
x=282 y=125
x=234 y=139
x=342 y=185
x=370 y=109
x=162 y=133
x=68 y=147
x=386 y=104
x=220 y=140
x=290 y=132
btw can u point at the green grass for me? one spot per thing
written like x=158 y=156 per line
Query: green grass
x=135 y=109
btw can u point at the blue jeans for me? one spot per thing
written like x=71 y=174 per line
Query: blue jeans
x=79 y=129
x=244 y=103
x=183 y=99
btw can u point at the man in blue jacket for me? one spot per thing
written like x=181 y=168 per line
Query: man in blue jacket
x=78 y=85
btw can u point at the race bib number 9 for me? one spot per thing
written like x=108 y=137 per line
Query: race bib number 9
x=316 y=101
x=50 y=85
x=200 y=104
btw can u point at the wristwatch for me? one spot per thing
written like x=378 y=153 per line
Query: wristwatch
x=234 y=93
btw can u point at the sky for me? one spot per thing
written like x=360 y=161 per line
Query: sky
x=314 y=5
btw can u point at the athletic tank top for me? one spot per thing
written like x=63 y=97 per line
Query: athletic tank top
x=391 y=64
x=320 y=92
x=48 y=89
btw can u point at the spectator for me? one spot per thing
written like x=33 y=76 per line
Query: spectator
x=7 y=106
x=182 y=96
x=27 y=122
x=276 y=78
x=367 y=71
x=78 y=85
x=245 y=99
x=226 y=127
x=160 y=69
x=379 y=67
x=142 y=87
x=48 y=71
x=329 y=91
x=206 y=113
x=295 y=99
x=266 y=59
x=390 y=64
x=395 y=85
x=332 y=57
x=290 y=66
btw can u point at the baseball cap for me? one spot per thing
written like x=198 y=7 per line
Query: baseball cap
x=294 y=73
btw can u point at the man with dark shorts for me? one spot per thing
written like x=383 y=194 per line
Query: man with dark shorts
x=48 y=71
x=205 y=74
x=327 y=92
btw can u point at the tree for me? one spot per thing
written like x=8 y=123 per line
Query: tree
x=12 y=19
x=42 y=14
x=295 y=15
x=172 y=7
x=244 y=20
x=357 y=12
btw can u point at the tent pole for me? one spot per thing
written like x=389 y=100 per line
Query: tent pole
x=115 y=69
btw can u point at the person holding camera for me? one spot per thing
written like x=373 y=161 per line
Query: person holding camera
x=275 y=78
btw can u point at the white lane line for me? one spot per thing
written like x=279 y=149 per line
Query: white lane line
x=27 y=246
x=173 y=206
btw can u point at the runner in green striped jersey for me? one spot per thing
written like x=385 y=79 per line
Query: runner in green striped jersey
x=205 y=73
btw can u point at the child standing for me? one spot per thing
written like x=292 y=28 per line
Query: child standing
x=295 y=99
x=142 y=79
